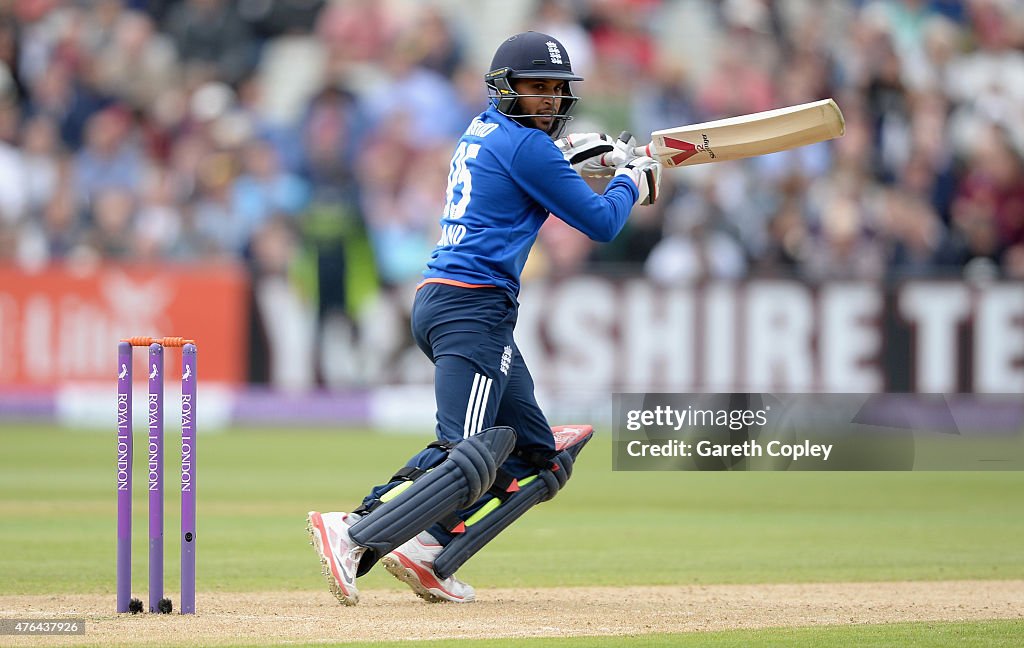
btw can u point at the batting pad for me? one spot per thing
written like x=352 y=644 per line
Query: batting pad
x=496 y=515
x=455 y=483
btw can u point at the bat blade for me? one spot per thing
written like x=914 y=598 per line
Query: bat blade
x=747 y=135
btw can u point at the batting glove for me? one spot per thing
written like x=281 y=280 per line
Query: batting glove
x=645 y=172
x=583 y=150
x=620 y=155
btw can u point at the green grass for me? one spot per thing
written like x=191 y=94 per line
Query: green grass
x=990 y=634
x=58 y=510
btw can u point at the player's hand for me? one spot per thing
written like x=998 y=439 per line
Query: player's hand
x=645 y=172
x=583 y=151
x=601 y=165
x=620 y=155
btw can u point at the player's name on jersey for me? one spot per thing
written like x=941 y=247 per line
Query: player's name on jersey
x=479 y=129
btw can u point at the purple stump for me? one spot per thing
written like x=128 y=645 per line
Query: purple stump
x=124 y=475
x=155 y=470
x=188 y=479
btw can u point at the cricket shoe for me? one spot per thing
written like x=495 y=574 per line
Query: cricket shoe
x=413 y=564
x=339 y=555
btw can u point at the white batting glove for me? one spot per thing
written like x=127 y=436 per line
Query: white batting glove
x=645 y=172
x=620 y=155
x=596 y=155
x=582 y=150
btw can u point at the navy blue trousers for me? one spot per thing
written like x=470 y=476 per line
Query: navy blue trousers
x=480 y=379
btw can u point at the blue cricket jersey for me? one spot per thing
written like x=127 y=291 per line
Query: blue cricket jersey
x=503 y=181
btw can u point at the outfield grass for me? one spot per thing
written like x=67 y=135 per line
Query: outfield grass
x=58 y=507
x=989 y=634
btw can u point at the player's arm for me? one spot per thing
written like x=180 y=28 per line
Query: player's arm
x=545 y=175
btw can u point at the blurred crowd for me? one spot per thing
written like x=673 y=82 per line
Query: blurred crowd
x=311 y=139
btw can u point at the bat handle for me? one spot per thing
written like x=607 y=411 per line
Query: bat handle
x=641 y=151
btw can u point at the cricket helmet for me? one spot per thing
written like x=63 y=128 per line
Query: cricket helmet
x=530 y=55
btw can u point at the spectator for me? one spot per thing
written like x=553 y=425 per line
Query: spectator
x=415 y=95
x=62 y=224
x=219 y=229
x=916 y=236
x=14 y=195
x=113 y=216
x=212 y=38
x=400 y=194
x=434 y=43
x=1014 y=263
x=330 y=140
x=264 y=189
x=987 y=84
x=738 y=83
x=111 y=158
x=137 y=63
x=990 y=197
x=787 y=241
x=695 y=247
x=158 y=227
x=42 y=156
x=666 y=97
x=10 y=59
x=843 y=246
x=356 y=33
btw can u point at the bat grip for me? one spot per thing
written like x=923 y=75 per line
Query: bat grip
x=642 y=151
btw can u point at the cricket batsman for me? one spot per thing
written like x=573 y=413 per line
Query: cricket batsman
x=495 y=455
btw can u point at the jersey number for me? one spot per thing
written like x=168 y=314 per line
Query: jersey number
x=460 y=182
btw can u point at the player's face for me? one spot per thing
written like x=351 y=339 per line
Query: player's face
x=541 y=105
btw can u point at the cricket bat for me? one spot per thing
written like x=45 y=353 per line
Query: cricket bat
x=745 y=136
